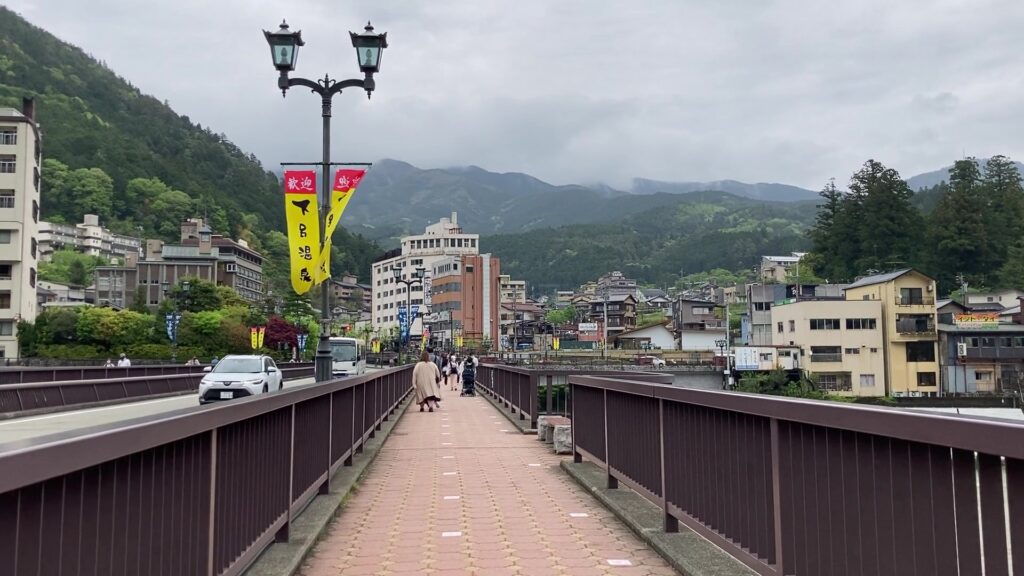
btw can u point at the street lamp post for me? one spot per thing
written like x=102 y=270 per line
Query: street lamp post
x=416 y=279
x=284 y=51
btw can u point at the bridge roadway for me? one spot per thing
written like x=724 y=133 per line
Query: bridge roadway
x=33 y=426
x=461 y=491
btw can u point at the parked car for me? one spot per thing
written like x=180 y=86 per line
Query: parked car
x=239 y=376
x=652 y=360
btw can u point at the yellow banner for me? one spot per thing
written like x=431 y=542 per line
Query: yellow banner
x=253 y=338
x=262 y=333
x=302 y=216
x=345 y=183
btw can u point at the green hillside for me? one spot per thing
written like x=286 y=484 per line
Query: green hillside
x=701 y=231
x=112 y=150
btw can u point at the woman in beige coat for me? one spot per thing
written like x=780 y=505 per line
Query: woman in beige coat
x=425 y=378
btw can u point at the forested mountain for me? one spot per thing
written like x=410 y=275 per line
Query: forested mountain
x=695 y=232
x=934 y=178
x=761 y=191
x=111 y=150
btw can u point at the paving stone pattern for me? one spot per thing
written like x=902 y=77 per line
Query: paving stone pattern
x=450 y=493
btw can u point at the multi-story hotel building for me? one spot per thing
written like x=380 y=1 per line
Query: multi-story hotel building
x=440 y=240
x=20 y=155
x=89 y=237
x=466 y=301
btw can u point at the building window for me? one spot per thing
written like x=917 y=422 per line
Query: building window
x=5 y=300
x=926 y=378
x=792 y=325
x=7 y=164
x=874 y=350
x=834 y=382
x=32 y=277
x=867 y=380
x=988 y=342
x=1006 y=342
x=7 y=328
x=5 y=271
x=780 y=327
x=6 y=198
x=8 y=137
x=35 y=211
x=983 y=376
x=852 y=350
x=920 y=352
x=33 y=247
x=911 y=296
x=826 y=354
x=5 y=236
x=825 y=324
x=762 y=306
x=861 y=324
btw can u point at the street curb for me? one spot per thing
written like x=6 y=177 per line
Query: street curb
x=286 y=558
x=522 y=425
x=686 y=551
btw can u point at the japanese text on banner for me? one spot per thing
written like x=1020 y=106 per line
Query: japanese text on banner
x=345 y=183
x=302 y=216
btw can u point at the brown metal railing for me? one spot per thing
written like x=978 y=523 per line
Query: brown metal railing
x=791 y=486
x=18 y=399
x=27 y=375
x=519 y=389
x=196 y=493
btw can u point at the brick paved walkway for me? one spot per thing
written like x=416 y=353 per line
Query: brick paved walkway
x=458 y=492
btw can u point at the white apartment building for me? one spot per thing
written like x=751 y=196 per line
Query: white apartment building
x=439 y=240
x=89 y=237
x=20 y=155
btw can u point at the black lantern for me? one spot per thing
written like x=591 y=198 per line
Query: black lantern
x=284 y=47
x=420 y=272
x=369 y=48
x=397 y=271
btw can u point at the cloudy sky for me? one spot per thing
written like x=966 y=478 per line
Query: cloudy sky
x=792 y=91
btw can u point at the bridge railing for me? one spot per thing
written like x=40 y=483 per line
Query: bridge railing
x=199 y=491
x=22 y=399
x=28 y=375
x=531 y=392
x=792 y=486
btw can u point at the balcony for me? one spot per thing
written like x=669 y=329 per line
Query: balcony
x=915 y=301
x=826 y=357
x=915 y=327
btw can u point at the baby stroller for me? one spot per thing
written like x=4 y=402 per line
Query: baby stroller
x=469 y=377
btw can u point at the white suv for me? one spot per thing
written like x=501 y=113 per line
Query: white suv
x=239 y=376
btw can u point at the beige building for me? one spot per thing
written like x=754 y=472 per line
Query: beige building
x=907 y=299
x=775 y=269
x=840 y=342
x=20 y=157
x=512 y=290
x=88 y=237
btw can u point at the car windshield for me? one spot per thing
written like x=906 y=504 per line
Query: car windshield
x=343 y=351
x=235 y=365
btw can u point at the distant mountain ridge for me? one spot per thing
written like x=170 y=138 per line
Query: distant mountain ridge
x=929 y=179
x=759 y=191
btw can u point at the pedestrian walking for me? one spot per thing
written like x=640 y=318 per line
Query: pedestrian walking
x=124 y=362
x=425 y=380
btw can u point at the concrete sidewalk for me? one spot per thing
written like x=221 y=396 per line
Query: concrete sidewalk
x=460 y=491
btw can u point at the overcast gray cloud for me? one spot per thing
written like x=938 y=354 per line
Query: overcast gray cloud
x=792 y=91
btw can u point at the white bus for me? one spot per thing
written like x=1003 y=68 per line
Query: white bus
x=348 y=356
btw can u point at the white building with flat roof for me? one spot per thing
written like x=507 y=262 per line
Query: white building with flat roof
x=88 y=237
x=20 y=158
x=439 y=240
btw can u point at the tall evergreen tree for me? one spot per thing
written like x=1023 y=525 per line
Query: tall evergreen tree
x=888 y=227
x=958 y=232
x=1004 y=206
x=824 y=232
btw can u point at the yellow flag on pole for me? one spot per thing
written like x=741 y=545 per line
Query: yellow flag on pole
x=262 y=333
x=345 y=183
x=302 y=216
x=253 y=338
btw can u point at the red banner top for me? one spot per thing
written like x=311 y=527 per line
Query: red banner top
x=348 y=179
x=300 y=182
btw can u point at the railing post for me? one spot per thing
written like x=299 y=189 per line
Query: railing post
x=325 y=487
x=780 y=566
x=577 y=458
x=613 y=482
x=671 y=523
x=211 y=525
x=548 y=395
